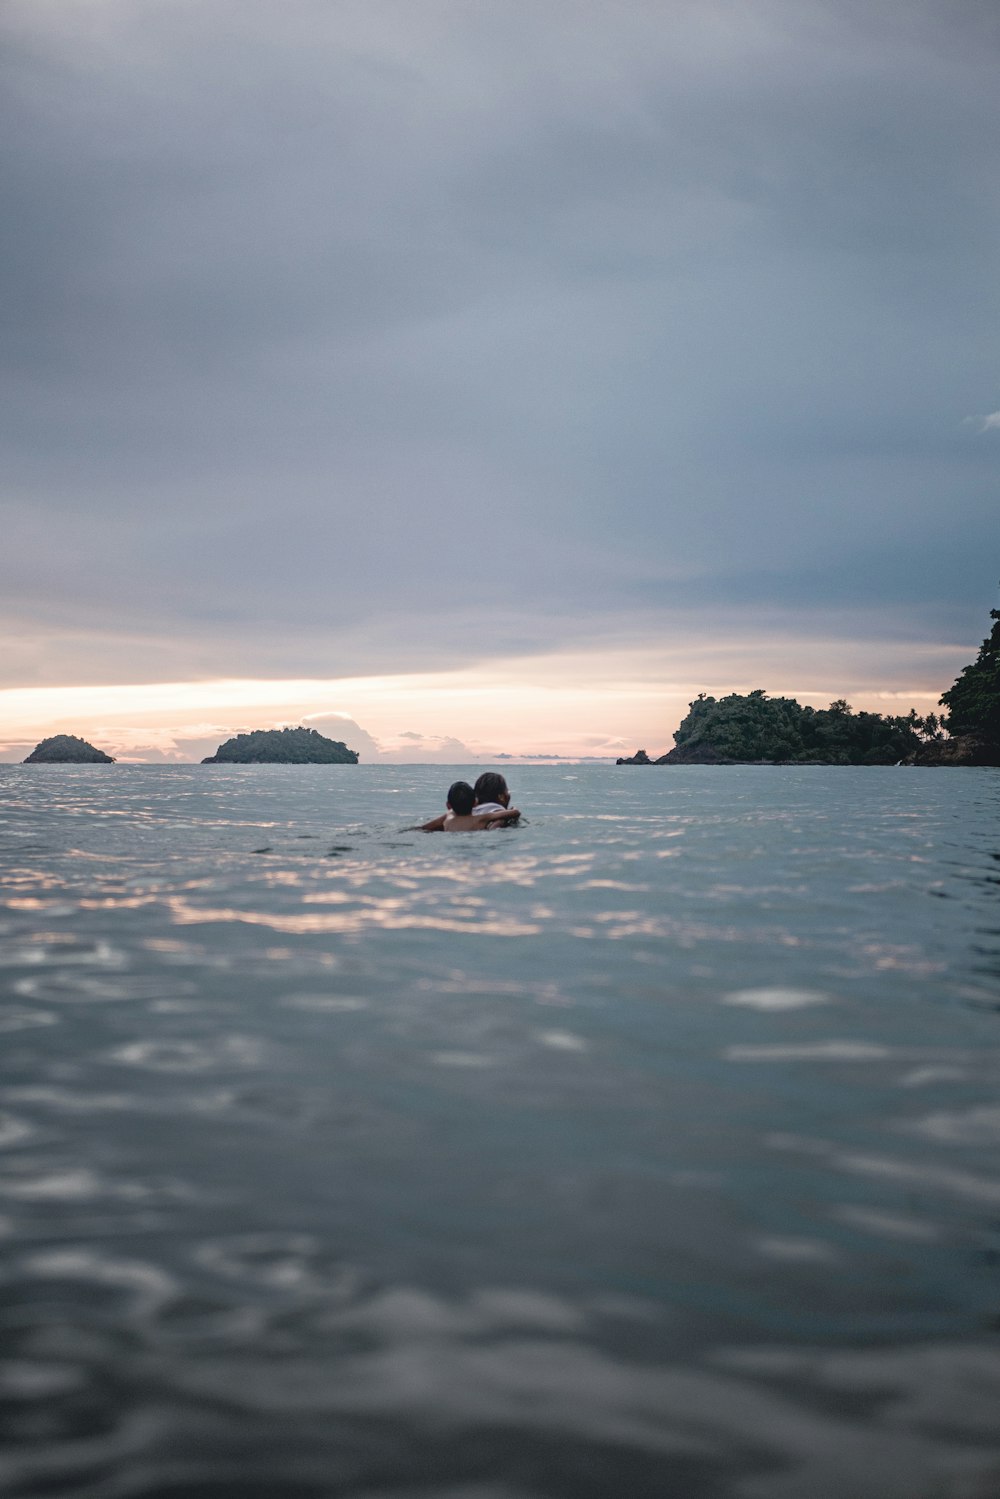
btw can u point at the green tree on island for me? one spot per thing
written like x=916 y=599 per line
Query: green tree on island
x=67 y=749
x=746 y=727
x=299 y=746
x=973 y=703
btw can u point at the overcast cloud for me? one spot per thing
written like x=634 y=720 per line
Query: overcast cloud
x=342 y=336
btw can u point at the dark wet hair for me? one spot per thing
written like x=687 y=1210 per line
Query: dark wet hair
x=460 y=798
x=491 y=787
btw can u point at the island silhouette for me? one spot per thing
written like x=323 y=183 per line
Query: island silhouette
x=299 y=746
x=752 y=728
x=67 y=749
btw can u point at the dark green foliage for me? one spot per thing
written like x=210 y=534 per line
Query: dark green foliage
x=67 y=749
x=779 y=730
x=282 y=747
x=973 y=703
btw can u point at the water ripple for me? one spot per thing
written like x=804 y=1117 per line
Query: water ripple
x=649 y=1149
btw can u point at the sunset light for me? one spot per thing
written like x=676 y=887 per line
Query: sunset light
x=595 y=703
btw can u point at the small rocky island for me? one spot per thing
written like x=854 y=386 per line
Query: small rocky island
x=67 y=749
x=753 y=729
x=282 y=747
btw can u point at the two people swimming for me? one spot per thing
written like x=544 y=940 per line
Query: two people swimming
x=474 y=809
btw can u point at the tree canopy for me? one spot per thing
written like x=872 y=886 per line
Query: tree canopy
x=282 y=747
x=67 y=749
x=973 y=703
x=753 y=727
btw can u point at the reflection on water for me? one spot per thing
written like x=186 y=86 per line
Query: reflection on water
x=647 y=1149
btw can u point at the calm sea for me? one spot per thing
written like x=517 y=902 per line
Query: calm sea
x=648 y=1150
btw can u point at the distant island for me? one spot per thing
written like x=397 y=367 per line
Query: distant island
x=66 y=749
x=752 y=728
x=282 y=747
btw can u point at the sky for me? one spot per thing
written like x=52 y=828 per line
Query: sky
x=490 y=379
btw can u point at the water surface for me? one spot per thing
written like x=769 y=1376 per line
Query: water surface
x=647 y=1149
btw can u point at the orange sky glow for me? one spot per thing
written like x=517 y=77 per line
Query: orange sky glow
x=601 y=703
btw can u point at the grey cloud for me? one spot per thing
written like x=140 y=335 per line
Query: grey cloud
x=433 y=750
x=666 y=306
x=339 y=726
x=13 y=751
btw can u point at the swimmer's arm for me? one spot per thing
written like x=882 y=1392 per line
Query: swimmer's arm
x=492 y=820
x=436 y=825
x=502 y=820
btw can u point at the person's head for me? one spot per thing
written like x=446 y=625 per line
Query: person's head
x=491 y=787
x=460 y=798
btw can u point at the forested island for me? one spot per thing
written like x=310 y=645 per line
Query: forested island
x=752 y=728
x=67 y=749
x=282 y=747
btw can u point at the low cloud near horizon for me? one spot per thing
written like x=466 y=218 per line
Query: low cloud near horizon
x=404 y=748
x=374 y=340
x=584 y=703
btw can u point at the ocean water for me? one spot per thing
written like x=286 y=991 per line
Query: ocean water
x=648 y=1149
